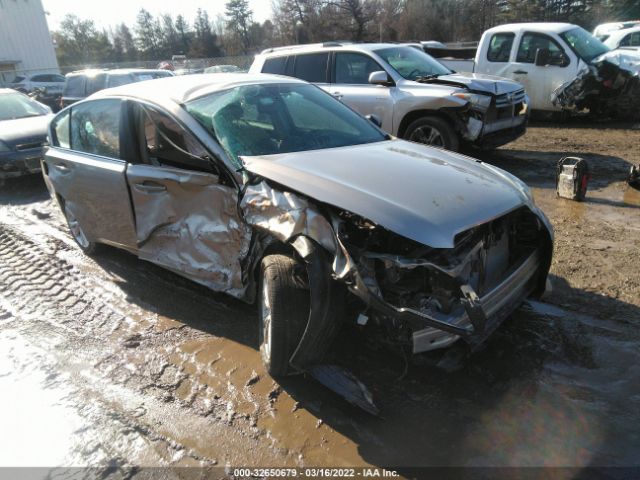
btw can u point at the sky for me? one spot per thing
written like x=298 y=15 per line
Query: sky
x=111 y=12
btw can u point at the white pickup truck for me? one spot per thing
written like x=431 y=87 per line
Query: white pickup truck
x=547 y=58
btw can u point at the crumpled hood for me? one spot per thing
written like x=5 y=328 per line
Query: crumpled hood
x=623 y=58
x=24 y=130
x=478 y=82
x=422 y=193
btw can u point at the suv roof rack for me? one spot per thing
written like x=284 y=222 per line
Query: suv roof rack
x=336 y=43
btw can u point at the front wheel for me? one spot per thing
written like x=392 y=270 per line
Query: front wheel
x=87 y=246
x=283 y=302
x=433 y=131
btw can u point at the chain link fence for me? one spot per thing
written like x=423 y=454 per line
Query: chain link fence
x=192 y=65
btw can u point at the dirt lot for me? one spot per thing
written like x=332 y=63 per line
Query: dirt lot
x=113 y=362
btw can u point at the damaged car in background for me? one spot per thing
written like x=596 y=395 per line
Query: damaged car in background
x=23 y=132
x=562 y=67
x=270 y=190
x=412 y=94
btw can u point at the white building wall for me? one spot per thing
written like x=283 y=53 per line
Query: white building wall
x=25 y=39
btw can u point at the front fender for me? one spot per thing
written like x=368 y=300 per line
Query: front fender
x=326 y=305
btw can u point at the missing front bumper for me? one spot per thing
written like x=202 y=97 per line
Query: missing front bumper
x=476 y=321
x=17 y=164
x=496 y=306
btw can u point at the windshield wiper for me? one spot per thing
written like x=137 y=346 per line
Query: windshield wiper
x=425 y=78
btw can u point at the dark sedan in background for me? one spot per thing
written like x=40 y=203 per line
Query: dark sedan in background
x=23 y=131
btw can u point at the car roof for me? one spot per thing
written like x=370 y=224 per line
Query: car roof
x=544 y=27
x=315 y=47
x=95 y=71
x=7 y=90
x=623 y=32
x=181 y=89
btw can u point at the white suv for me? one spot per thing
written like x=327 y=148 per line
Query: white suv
x=411 y=94
x=52 y=82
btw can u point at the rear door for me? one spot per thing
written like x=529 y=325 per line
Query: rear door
x=185 y=207
x=85 y=166
x=350 y=84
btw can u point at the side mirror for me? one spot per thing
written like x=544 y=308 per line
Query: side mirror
x=543 y=57
x=379 y=77
x=375 y=120
x=559 y=60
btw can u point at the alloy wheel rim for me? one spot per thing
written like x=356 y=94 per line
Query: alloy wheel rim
x=428 y=135
x=76 y=229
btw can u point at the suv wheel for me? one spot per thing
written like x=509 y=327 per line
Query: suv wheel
x=283 y=311
x=78 y=234
x=434 y=132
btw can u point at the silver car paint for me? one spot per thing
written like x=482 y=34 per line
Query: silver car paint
x=182 y=227
x=95 y=190
x=285 y=215
x=394 y=103
x=188 y=223
x=403 y=186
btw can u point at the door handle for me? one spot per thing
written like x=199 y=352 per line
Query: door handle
x=520 y=72
x=62 y=167
x=150 y=187
x=337 y=95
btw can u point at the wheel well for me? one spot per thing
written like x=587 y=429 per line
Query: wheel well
x=272 y=248
x=416 y=114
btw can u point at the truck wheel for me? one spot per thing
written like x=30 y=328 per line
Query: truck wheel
x=433 y=131
x=283 y=303
x=77 y=233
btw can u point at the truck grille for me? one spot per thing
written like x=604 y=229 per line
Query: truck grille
x=508 y=105
x=508 y=99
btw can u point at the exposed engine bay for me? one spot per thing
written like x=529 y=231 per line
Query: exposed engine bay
x=424 y=298
x=609 y=86
x=441 y=284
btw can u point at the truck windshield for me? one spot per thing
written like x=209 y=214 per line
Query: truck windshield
x=266 y=119
x=411 y=63
x=585 y=45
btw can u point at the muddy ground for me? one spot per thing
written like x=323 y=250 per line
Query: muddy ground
x=112 y=362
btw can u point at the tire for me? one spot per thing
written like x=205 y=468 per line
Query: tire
x=87 y=246
x=283 y=310
x=433 y=131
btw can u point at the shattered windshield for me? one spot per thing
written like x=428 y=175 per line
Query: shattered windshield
x=279 y=118
x=586 y=46
x=412 y=63
x=16 y=105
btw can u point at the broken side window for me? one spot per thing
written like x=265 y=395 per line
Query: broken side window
x=95 y=128
x=61 y=135
x=165 y=142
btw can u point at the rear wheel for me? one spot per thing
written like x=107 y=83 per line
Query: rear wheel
x=78 y=234
x=283 y=311
x=433 y=131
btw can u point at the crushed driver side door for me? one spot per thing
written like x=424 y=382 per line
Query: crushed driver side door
x=186 y=218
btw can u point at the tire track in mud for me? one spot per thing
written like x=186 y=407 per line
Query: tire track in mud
x=167 y=362
x=86 y=430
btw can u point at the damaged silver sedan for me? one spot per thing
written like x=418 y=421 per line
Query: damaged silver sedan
x=269 y=189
